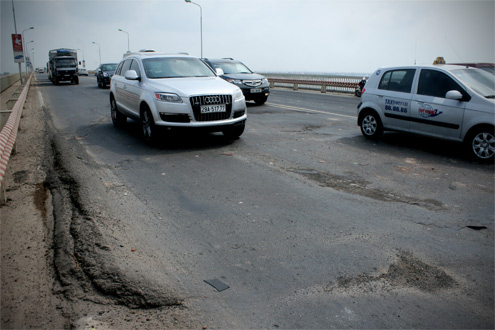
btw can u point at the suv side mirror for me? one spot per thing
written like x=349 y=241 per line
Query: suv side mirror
x=131 y=75
x=454 y=95
x=219 y=71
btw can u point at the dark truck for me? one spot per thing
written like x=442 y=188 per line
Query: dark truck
x=62 y=65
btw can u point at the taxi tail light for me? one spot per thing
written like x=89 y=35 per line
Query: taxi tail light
x=364 y=90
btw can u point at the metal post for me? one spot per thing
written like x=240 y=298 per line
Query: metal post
x=128 y=47
x=99 y=50
x=200 y=23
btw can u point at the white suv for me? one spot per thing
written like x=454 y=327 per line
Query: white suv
x=443 y=101
x=175 y=91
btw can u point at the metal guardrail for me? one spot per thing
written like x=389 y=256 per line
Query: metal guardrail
x=342 y=84
x=8 y=135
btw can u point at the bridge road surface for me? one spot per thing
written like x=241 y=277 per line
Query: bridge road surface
x=307 y=223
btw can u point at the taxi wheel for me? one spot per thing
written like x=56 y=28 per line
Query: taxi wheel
x=481 y=143
x=371 y=125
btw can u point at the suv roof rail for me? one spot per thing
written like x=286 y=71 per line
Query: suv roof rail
x=227 y=58
x=152 y=52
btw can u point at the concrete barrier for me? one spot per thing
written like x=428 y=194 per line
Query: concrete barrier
x=8 y=135
x=8 y=80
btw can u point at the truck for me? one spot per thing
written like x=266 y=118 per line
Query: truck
x=62 y=65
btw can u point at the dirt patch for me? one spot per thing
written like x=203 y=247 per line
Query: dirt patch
x=406 y=272
x=21 y=176
x=81 y=292
x=40 y=195
x=27 y=275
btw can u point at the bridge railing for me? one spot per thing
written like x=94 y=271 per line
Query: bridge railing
x=342 y=84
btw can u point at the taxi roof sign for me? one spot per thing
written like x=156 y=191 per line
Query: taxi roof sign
x=439 y=60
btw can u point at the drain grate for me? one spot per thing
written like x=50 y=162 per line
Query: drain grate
x=217 y=284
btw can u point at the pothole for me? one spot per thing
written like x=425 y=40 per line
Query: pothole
x=360 y=187
x=406 y=272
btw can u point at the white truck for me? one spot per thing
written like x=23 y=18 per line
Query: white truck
x=62 y=65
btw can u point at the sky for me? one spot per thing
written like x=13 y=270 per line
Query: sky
x=325 y=36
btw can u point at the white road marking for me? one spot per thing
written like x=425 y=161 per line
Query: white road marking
x=289 y=107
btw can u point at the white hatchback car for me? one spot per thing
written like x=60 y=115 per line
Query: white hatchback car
x=443 y=101
x=174 y=91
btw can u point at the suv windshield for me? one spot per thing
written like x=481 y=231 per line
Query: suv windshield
x=480 y=81
x=175 y=67
x=231 y=67
x=109 y=67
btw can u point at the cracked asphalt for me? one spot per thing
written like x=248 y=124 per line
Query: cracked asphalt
x=313 y=227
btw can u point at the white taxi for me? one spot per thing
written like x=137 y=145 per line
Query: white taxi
x=442 y=101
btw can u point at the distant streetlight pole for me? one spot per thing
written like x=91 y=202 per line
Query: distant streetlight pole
x=99 y=50
x=128 y=48
x=24 y=52
x=27 y=57
x=32 y=61
x=200 y=23
x=84 y=61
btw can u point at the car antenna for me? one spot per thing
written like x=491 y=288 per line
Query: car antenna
x=454 y=49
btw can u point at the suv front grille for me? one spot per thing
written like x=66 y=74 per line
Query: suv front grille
x=198 y=101
x=252 y=83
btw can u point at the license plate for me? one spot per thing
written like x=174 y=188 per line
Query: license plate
x=256 y=90
x=213 y=108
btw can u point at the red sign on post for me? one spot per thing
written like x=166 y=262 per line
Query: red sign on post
x=17 y=45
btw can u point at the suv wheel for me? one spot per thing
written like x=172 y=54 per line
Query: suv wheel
x=261 y=100
x=234 y=131
x=149 y=128
x=118 y=118
x=371 y=125
x=481 y=143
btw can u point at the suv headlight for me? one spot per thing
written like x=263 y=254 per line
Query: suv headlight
x=264 y=81
x=105 y=74
x=238 y=94
x=168 y=97
x=234 y=81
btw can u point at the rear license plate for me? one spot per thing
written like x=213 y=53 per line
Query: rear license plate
x=256 y=90
x=213 y=108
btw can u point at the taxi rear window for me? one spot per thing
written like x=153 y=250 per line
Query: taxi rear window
x=397 y=80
